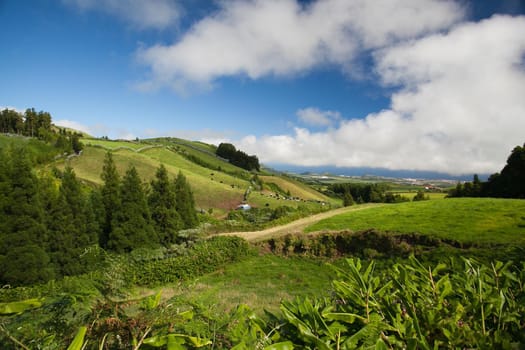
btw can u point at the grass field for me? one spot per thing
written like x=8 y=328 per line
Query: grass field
x=295 y=188
x=431 y=195
x=473 y=220
x=261 y=282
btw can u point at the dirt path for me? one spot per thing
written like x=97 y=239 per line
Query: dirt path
x=298 y=225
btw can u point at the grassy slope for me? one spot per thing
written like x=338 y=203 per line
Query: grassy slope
x=221 y=190
x=295 y=188
x=482 y=220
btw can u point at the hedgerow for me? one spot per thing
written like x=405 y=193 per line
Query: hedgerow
x=205 y=256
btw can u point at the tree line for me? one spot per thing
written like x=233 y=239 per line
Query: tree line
x=39 y=125
x=238 y=157
x=50 y=224
x=509 y=183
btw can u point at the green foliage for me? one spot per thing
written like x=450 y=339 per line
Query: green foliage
x=361 y=193
x=203 y=257
x=506 y=184
x=238 y=157
x=162 y=202
x=17 y=307
x=420 y=196
x=110 y=196
x=348 y=200
x=460 y=305
x=185 y=203
x=131 y=221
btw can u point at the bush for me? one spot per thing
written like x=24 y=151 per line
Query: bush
x=205 y=256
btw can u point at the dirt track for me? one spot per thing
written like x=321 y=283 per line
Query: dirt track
x=295 y=226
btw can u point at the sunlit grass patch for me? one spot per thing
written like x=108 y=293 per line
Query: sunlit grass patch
x=475 y=220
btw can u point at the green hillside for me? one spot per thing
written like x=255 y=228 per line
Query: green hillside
x=216 y=184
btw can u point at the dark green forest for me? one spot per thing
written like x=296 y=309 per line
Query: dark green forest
x=51 y=224
x=509 y=183
x=238 y=157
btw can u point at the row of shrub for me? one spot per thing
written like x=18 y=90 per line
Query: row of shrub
x=204 y=257
x=374 y=244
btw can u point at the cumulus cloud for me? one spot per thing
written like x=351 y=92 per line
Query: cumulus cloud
x=282 y=37
x=156 y=14
x=460 y=107
x=316 y=117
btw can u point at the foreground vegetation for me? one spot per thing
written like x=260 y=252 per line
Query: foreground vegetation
x=453 y=304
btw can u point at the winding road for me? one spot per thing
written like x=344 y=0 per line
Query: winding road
x=298 y=225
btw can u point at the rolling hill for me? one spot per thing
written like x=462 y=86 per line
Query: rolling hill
x=216 y=184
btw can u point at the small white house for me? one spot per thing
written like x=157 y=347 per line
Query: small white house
x=244 y=206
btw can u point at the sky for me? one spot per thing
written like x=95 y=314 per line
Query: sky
x=417 y=85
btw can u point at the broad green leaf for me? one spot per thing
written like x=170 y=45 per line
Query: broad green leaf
x=16 y=307
x=287 y=345
x=78 y=341
x=343 y=316
x=380 y=345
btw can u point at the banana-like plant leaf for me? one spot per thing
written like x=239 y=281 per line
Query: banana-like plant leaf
x=175 y=341
x=287 y=345
x=17 y=307
x=78 y=341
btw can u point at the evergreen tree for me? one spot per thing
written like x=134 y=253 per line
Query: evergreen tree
x=30 y=122
x=348 y=200
x=185 y=203
x=110 y=197
x=24 y=234
x=132 y=226
x=71 y=236
x=162 y=203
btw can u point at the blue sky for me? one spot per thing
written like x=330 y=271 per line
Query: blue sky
x=420 y=85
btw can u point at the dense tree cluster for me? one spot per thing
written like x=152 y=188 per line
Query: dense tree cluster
x=238 y=157
x=49 y=224
x=510 y=183
x=39 y=125
x=360 y=193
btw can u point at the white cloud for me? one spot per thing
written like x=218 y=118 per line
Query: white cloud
x=316 y=117
x=460 y=108
x=142 y=14
x=73 y=125
x=281 y=37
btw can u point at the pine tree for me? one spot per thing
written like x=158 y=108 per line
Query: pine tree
x=162 y=203
x=185 y=202
x=110 y=197
x=348 y=200
x=71 y=236
x=24 y=240
x=132 y=226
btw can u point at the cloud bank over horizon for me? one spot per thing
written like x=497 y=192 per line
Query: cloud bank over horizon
x=456 y=87
x=459 y=107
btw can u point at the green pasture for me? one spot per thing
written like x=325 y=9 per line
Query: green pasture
x=431 y=195
x=295 y=188
x=469 y=220
x=261 y=282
